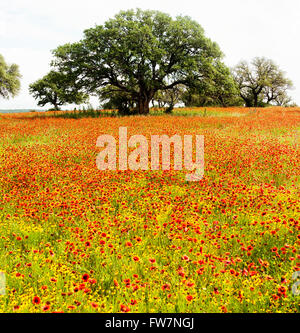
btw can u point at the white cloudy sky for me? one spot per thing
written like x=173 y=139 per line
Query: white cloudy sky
x=30 y=29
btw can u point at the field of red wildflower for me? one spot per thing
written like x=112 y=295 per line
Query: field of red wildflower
x=77 y=239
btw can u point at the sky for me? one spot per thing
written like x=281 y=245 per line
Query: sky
x=244 y=29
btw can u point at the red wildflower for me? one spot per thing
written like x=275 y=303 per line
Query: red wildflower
x=124 y=308
x=85 y=277
x=46 y=307
x=166 y=286
x=36 y=300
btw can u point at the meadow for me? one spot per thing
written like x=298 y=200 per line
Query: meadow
x=77 y=239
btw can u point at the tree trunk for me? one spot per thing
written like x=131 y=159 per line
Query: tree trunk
x=256 y=95
x=143 y=106
x=255 y=100
x=248 y=101
x=143 y=103
x=170 y=108
x=55 y=103
x=222 y=101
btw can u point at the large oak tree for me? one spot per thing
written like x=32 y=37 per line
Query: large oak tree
x=139 y=53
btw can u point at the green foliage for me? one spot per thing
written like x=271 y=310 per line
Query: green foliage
x=140 y=53
x=263 y=83
x=9 y=79
x=114 y=98
x=57 y=89
x=169 y=97
x=219 y=89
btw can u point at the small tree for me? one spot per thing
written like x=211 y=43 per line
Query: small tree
x=263 y=82
x=57 y=89
x=222 y=88
x=9 y=79
x=113 y=98
x=283 y=100
x=219 y=89
x=169 y=97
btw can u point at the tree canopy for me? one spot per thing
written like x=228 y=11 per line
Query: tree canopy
x=57 y=89
x=138 y=53
x=9 y=79
x=111 y=97
x=218 y=89
x=169 y=97
x=262 y=82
